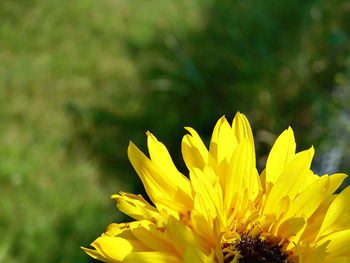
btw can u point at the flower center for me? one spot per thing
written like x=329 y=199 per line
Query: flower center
x=254 y=250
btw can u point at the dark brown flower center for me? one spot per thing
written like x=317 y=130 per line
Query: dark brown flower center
x=255 y=250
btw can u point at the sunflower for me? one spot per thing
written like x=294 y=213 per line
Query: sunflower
x=225 y=211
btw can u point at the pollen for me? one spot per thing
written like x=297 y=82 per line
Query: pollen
x=253 y=250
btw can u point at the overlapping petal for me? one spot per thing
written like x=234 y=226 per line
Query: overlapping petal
x=204 y=217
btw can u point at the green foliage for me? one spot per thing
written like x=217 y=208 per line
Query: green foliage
x=78 y=79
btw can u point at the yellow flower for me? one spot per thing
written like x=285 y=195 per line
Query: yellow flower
x=225 y=211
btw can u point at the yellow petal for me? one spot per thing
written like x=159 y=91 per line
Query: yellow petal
x=156 y=183
x=94 y=254
x=151 y=257
x=223 y=142
x=311 y=198
x=195 y=255
x=282 y=152
x=208 y=202
x=315 y=221
x=338 y=214
x=194 y=152
x=162 y=159
x=310 y=254
x=263 y=180
x=154 y=238
x=112 y=248
x=290 y=182
x=127 y=231
x=283 y=206
x=290 y=227
x=241 y=176
x=339 y=244
x=242 y=130
x=310 y=178
x=135 y=206
x=173 y=205
x=123 y=230
x=202 y=226
x=182 y=237
x=208 y=198
x=338 y=260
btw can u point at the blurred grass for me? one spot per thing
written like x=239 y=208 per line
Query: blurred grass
x=78 y=79
x=59 y=61
x=54 y=54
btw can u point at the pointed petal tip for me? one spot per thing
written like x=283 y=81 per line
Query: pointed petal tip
x=150 y=136
x=311 y=150
x=190 y=130
x=290 y=130
x=91 y=252
x=221 y=122
x=238 y=114
x=223 y=118
x=344 y=175
x=131 y=148
x=130 y=144
x=114 y=196
x=133 y=152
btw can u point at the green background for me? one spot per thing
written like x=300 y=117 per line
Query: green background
x=79 y=79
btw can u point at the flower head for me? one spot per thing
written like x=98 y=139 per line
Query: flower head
x=225 y=211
